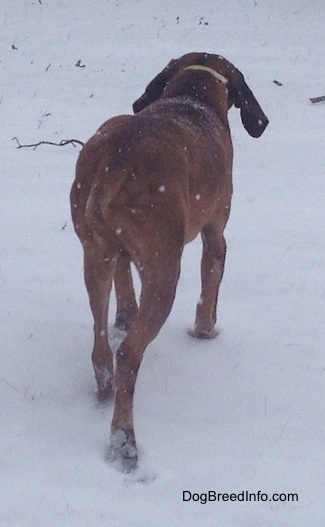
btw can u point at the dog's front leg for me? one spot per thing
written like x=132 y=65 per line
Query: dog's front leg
x=212 y=266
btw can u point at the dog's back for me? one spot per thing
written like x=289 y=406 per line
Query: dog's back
x=173 y=158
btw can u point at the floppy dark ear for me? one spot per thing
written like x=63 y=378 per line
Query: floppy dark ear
x=155 y=88
x=253 y=118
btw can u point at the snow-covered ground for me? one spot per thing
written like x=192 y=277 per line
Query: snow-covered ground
x=242 y=413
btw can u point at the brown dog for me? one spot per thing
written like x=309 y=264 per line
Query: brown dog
x=145 y=186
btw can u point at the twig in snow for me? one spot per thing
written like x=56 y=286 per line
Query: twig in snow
x=79 y=64
x=9 y=384
x=27 y=389
x=63 y=142
x=316 y=100
x=283 y=429
x=265 y=407
x=43 y=115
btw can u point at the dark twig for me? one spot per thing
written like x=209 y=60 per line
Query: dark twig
x=315 y=100
x=64 y=142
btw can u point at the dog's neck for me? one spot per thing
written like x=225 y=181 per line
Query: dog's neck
x=214 y=73
x=202 y=84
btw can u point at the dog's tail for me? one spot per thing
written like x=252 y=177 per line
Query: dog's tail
x=106 y=186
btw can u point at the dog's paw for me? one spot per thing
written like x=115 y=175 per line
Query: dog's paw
x=203 y=333
x=122 y=452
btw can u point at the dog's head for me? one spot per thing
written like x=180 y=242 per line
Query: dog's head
x=239 y=94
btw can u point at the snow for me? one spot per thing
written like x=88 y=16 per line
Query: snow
x=243 y=412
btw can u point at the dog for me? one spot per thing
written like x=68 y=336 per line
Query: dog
x=147 y=184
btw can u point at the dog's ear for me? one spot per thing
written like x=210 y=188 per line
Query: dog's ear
x=156 y=87
x=253 y=118
x=252 y=115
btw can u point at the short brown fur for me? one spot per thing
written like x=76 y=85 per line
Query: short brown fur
x=145 y=186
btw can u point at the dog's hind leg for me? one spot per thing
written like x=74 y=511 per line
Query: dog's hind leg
x=157 y=295
x=125 y=297
x=99 y=269
x=212 y=267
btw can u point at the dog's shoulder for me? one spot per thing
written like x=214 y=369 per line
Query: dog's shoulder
x=178 y=109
